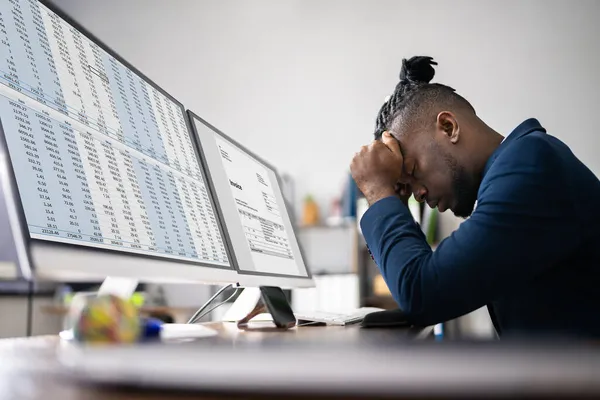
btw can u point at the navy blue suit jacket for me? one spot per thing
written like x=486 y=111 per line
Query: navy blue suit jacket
x=530 y=251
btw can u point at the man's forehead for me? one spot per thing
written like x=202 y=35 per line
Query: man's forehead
x=406 y=141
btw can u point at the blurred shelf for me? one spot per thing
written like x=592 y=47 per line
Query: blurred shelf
x=330 y=248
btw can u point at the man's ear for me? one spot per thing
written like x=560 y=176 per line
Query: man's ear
x=448 y=125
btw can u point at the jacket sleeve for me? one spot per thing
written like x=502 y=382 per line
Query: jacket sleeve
x=520 y=228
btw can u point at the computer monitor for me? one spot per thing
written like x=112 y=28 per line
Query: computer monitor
x=100 y=174
x=250 y=199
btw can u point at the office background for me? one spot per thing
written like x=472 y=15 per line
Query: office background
x=300 y=81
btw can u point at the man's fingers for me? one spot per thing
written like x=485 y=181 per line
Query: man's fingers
x=391 y=143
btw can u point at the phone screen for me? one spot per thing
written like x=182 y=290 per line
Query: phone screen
x=278 y=305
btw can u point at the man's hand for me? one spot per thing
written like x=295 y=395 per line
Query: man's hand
x=377 y=168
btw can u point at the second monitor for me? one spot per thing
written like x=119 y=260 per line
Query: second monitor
x=255 y=213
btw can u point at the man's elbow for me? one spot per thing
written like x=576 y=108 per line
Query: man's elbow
x=413 y=286
x=412 y=312
x=419 y=317
x=417 y=309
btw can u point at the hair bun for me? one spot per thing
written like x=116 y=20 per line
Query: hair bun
x=417 y=69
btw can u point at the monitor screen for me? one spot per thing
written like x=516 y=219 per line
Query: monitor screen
x=101 y=157
x=253 y=206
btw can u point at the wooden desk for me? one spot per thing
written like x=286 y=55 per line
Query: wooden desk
x=28 y=366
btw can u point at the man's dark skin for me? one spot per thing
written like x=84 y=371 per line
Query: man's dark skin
x=442 y=166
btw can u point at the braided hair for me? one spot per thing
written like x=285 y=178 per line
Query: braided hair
x=414 y=95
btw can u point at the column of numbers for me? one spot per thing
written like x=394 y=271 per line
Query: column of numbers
x=207 y=222
x=33 y=80
x=84 y=215
x=131 y=103
x=50 y=88
x=195 y=236
x=87 y=81
x=25 y=24
x=40 y=205
x=180 y=223
x=136 y=213
x=122 y=223
x=55 y=170
x=8 y=68
x=165 y=130
x=98 y=188
x=108 y=119
x=130 y=213
x=129 y=131
x=64 y=64
x=203 y=228
x=166 y=216
x=189 y=153
x=182 y=150
x=217 y=246
x=153 y=206
x=21 y=74
x=151 y=125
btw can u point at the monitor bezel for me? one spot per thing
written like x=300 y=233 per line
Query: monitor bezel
x=254 y=278
x=32 y=269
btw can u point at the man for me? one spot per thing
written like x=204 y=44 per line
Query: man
x=530 y=250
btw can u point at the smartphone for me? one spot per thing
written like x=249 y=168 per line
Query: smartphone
x=279 y=307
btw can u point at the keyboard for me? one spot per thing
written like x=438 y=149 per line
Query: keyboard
x=335 y=318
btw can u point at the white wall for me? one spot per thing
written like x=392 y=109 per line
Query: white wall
x=300 y=81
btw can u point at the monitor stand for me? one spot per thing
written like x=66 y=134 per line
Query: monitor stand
x=243 y=305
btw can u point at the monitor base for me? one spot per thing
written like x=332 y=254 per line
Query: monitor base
x=243 y=305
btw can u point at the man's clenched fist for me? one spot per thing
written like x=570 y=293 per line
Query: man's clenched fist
x=377 y=168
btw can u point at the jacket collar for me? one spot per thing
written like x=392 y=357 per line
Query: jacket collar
x=525 y=128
